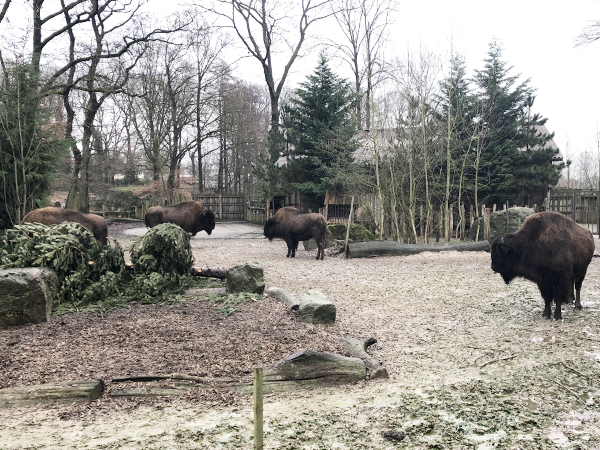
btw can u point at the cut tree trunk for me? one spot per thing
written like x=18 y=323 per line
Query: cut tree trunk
x=216 y=272
x=66 y=392
x=380 y=248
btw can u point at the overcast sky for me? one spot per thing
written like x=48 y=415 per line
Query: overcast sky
x=538 y=38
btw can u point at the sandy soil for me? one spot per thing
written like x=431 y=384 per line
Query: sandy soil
x=472 y=364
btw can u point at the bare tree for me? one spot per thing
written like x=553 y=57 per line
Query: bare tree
x=590 y=34
x=263 y=27
x=364 y=24
x=207 y=45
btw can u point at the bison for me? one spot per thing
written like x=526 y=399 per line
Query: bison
x=52 y=216
x=191 y=216
x=550 y=250
x=293 y=226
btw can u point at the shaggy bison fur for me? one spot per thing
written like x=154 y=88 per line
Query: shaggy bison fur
x=53 y=216
x=550 y=250
x=191 y=216
x=293 y=226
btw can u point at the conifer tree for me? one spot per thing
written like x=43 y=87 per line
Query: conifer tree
x=322 y=131
x=515 y=157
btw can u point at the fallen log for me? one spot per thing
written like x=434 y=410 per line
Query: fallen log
x=65 y=392
x=380 y=248
x=358 y=349
x=218 y=272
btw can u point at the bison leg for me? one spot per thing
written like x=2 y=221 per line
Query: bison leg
x=578 y=293
x=561 y=295
x=290 y=246
x=294 y=247
x=320 y=251
x=547 y=295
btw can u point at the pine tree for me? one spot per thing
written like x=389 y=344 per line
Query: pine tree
x=515 y=157
x=500 y=104
x=322 y=131
x=28 y=150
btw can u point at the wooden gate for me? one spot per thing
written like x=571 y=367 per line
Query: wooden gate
x=226 y=207
x=581 y=205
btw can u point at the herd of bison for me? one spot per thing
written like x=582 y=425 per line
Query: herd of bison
x=549 y=249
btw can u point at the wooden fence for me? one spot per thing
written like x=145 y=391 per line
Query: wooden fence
x=140 y=211
x=581 y=205
x=226 y=207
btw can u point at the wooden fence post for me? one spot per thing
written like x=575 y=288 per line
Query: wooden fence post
x=348 y=226
x=462 y=221
x=486 y=223
x=451 y=221
x=258 y=408
x=421 y=223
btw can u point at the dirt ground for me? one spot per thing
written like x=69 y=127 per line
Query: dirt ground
x=472 y=363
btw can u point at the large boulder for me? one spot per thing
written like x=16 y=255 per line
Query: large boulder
x=316 y=308
x=247 y=277
x=27 y=295
x=501 y=222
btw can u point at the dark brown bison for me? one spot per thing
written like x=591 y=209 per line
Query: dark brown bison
x=53 y=216
x=293 y=226
x=550 y=250
x=191 y=216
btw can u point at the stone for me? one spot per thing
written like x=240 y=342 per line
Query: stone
x=284 y=297
x=500 y=224
x=247 y=277
x=65 y=392
x=27 y=295
x=316 y=308
x=322 y=366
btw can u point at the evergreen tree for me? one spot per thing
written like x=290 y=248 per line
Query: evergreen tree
x=500 y=103
x=322 y=131
x=513 y=150
x=28 y=150
x=533 y=166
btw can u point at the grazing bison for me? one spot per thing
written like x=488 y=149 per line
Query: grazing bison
x=53 y=216
x=550 y=250
x=191 y=216
x=293 y=226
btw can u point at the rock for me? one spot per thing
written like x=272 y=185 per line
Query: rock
x=284 y=297
x=311 y=244
x=500 y=224
x=247 y=277
x=316 y=308
x=321 y=366
x=67 y=392
x=27 y=295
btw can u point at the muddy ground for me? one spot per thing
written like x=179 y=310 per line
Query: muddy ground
x=472 y=364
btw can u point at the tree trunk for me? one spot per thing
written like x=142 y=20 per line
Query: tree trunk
x=379 y=248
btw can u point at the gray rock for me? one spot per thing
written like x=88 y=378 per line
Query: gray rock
x=27 y=295
x=500 y=223
x=330 y=242
x=316 y=308
x=247 y=277
x=284 y=297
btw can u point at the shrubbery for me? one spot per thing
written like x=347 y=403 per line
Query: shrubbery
x=357 y=232
x=94 y=276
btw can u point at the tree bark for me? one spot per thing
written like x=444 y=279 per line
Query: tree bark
x=379 y=248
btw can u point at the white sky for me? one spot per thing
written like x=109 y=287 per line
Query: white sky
x=538 y=38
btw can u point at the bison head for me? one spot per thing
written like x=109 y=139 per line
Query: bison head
x=208 y=218
x=504 y=257
x=269 y=230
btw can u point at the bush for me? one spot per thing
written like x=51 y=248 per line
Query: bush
x=93 y=276
x=357 y=232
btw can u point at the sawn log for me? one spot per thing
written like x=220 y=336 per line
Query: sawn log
x=392 y=248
